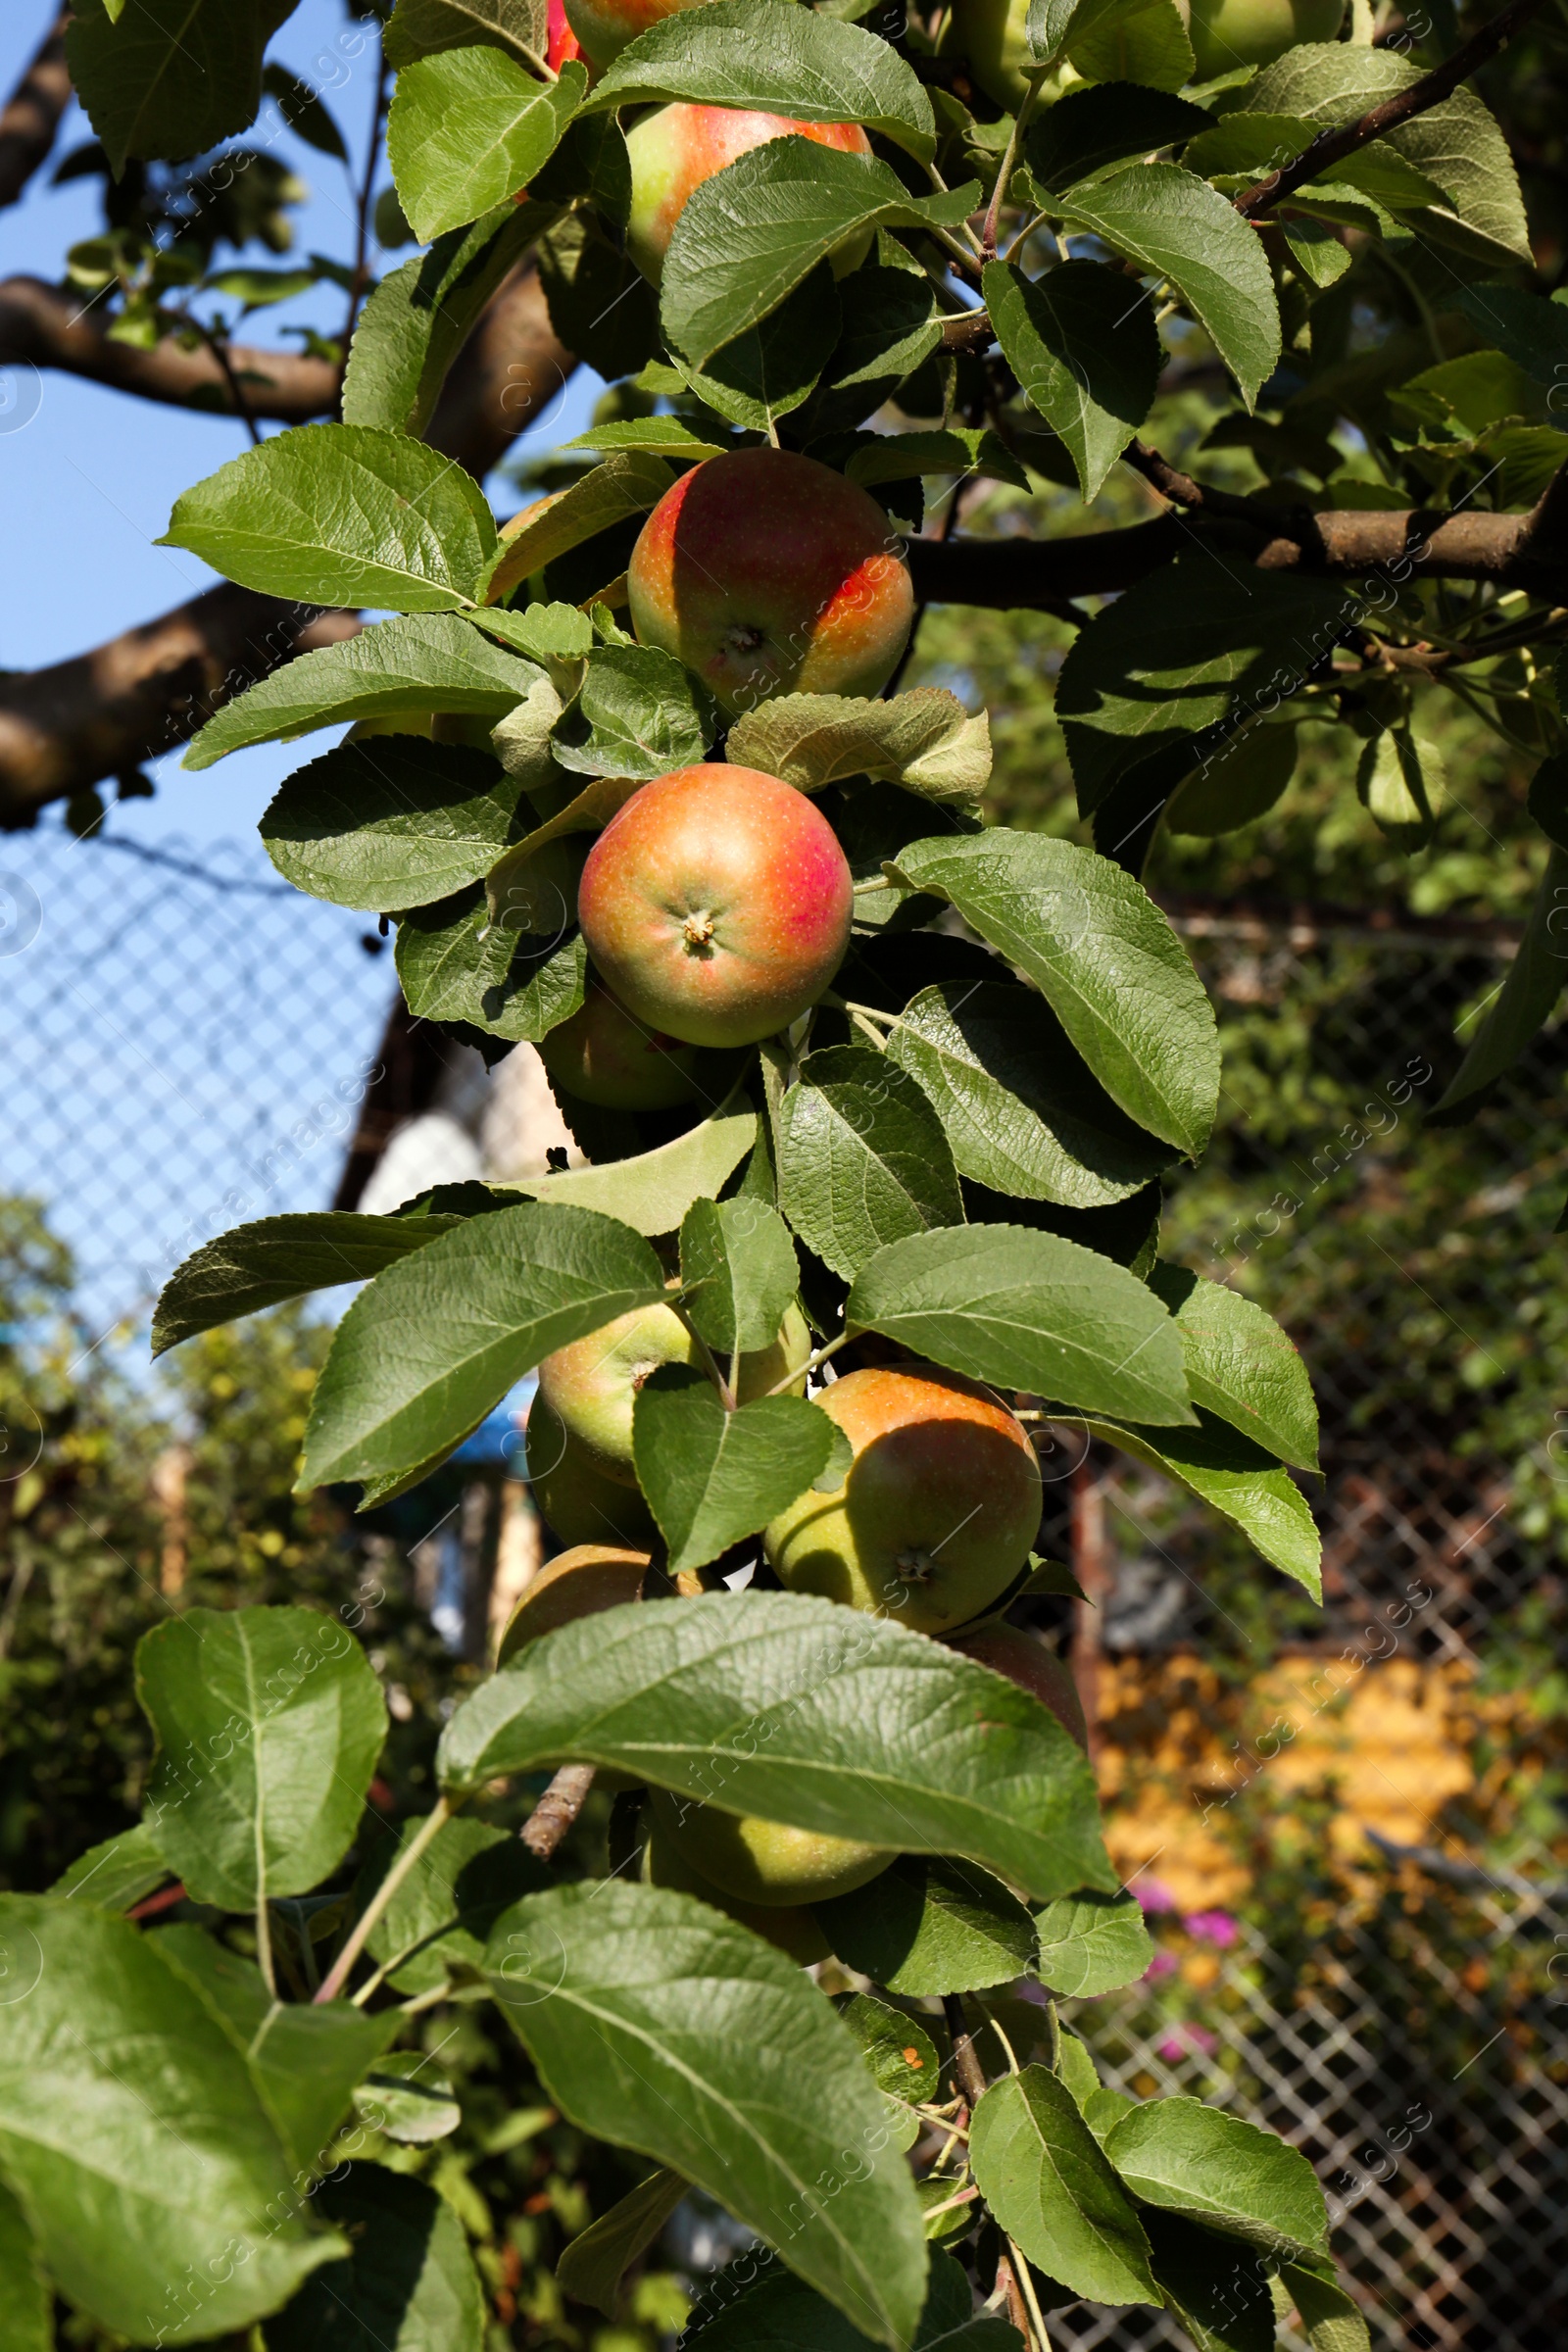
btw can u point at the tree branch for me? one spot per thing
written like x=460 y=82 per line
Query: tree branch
x=1332 y=146
x=507 y=376
x=557 y=1810
x=30 y=116
x=48 y=326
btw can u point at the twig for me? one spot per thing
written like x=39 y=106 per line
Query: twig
x=967 y=2070
x=363 y=229
x=557 y=1810
x=337 y=1974
x=218 y=345
x=1017 y=2308
x=1332 y=146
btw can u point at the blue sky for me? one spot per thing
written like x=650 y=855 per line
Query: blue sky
x=87 y=482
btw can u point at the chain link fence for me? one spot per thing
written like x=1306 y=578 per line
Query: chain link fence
x=1360 y=1910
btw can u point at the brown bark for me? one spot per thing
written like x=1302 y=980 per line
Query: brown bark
x=30 y=116
x=557 y=1810
x=52 y=327
x=506 y=377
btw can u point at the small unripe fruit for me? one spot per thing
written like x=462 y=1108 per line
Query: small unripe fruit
x=717 y=904
x=591 y=1387
x=579 y=1503
x=603 y=27
x=602 y=1056
x=676 y=149
x=1007 y=1649
x=993 y=35
x=938 y=1512
x=767 y=573
x=790 y=1927
x=763 y=1862
x=579 y=1583
x=1226 y=33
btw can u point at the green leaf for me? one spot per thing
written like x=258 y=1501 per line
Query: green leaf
x=433 y=1343
x=259 y=289
x=116 y=1874
x=1241 y=1364
x=930 y=1927
x=890 y=324
x=1181 y=230
x=29 y=2321
x=771 y=369
x=423 y=27
x=900 y=2054
x=652 y=1193
x=1103 y=2111
x=269 y=1723
x=749 y=235
x=555 y=632
x=640 y=713
x=1076 y=2067
x=628 y=482
x=1024 y=1309
x=417 y=663
x=1533 y=331
x=442 y=1913
x=417 y=319
x=777 y=2313
x=409 y=2283
x=1131 y=40
x=1087 y=128
x=169 y=79
x=591 y=2269
x=391 y=822
x=1086 y=351
x=712 y=1477
x=1400 y=780
x=738 y=1272
x=1040 y=2168
x=956 y=448
x=134 y=2134
x=468 y=129
x=663 y=436
x=1332 y=2320
x=602 y=308
x=1321 y=257
x=657 y=2023
x=342 y=515
x=847 y=1725
x=456 y=966
x=1218 y=2290
x=777 y=60
x=1107 y=961
x=1215 y=2168
x=924 y=741
x=1523 y=1001
x=1092 y=1944
x=306 y=2060
x=408 y=2099
x=1020 y=1110
x=1239 y=783
x=280 y=1258
x=1237 y=1478
x=861 y=1157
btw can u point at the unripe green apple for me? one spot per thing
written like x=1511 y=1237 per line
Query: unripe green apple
x=717 y=904
x=991 y=35
x=578 y=1501
x=1226 y=33
x=603 y=27
x=591 y=1387
x=676 y=149
x=575 y=1584
x=602 y=1056
x=767 y=573
x=938 y=1513
x=762 y=1862
x=790 y=1927
x=1024 y=1660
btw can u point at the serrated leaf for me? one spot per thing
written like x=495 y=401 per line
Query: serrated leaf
x=628 y=482
x=775 y=60
x=653 y=1191
x=777 y=2313
x=269 y=1723
x=1217 y=2288
x=969 y=450
x=1241 y=1364
x=1131 y=40
x=169 y=79
x=117 y=1874
x=1525 y=999
x=712 y=1476
x=750 y=233
x=1092 y=1944
x=391 y=822
x=1040 y=2168
x=1087 y=129
x=29 y=2295
x=591 y=2269
x=468 y=129
x=771 y=369
x=655 y=2021
x=280 y=1258
x=1215 y=2168
x=420 y=28
x=640 y=713
x=929 y=1927
x=408 y=2283
x=1401 y=782
x=1024 y=1309
x=454 y=964
x=663 y=436
x=1531 y=331
x=899 y=2053
x=847 y=1724
x=1021 y=1111
x=134 y=2130
x=1107 y=961
x=890 y=324
x=1184 y=232
x=443 y=1911
x=417 y=663
x=739 y=1273
x=419 y=318
x=408 y=2099
x=861 y=1157
x=1086 y=351
x=1240 y=1480
x=924 y=741
x=342 y=515
x=1332 y=2320
x=432 y=1344
x=601 y=306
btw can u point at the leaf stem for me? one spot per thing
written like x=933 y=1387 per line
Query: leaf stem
x=1053 y=2022
x=726 y=1392
x=813 y=1363
x=1026 y=2286
x=337 y=1974
x=264 y=1946
x=988 y=232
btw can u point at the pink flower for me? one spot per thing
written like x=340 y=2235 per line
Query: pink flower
x=1163 y=1964
x=1187 y=2042
x=1212 y=1927
x=1154 y=1896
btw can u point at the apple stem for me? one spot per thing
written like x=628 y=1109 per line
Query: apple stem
x=813 y=1363
x=725 y=1388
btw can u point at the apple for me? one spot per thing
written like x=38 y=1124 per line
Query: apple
x=717 y=904
x=603 y=27
x=768 y=573
x=1024 y=1660
x=591 y=1387
x=991 y=37
x=575 y=1498
x=602 y=1056
x=762 y=1862
x=676 y=149
x=575 y=1584
x=790 y=1927
x=562 y=42
x=938 y=1512
x=1227 y=33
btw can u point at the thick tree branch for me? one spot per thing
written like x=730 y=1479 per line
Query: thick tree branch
x=1332 y=146
x=509 y=376
x=50 y=327
x=30 y=116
